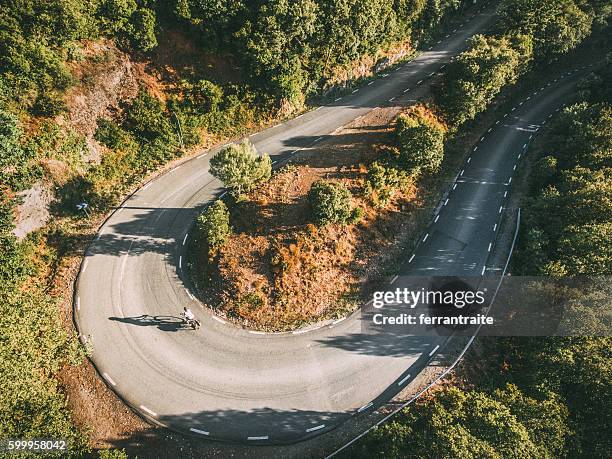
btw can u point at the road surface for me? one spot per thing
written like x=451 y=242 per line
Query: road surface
x=227 y=383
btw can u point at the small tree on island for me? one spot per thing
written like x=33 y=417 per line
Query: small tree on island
x=214 y=226
x=240 y=168
x=420 y=138
x=331 y=203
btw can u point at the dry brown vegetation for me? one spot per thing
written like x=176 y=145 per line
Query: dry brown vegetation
x=279 y=271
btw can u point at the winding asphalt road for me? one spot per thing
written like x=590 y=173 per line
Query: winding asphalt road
x=228 y=383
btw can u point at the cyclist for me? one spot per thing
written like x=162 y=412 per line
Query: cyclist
x=188 y=314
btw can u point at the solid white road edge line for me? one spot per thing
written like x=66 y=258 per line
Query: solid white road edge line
x=144 y=408
x=109 y=379
x=218 y=320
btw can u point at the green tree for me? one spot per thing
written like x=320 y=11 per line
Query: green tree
x=477 y=75
x=202 y=96
x=240 y=168
x=112 y=454
x=11 y=152
x=330 y=203
x=146 y=117
x=586 y=249
x=420 y=137
x=383 y=181
x=141 y=29
x=556 y=26
x=114 y=15
x=278 y=42
x=468 y=424
x=214 y=226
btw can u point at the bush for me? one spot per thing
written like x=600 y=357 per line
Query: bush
x=114 y=15
x=556 y=26
x=467 y=424
x=202 y=97
x=214 y=226
x=146 y=117
x=420 y=137
x=10 y=132
x=141 y=29
x=16 y=166
x=112 y=454
x=110 y=134
x=240 y=168
x=330 y=203
x=383 y=180
x=477 y=75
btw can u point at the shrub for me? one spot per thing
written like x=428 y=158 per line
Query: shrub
x=10 y=133
x=109 y=134
x=141 y=29
x=477 y=75
x=240 y=168
x=114 y=15
x=356 y=215
x=330 y=203
x=420 y=137
x=146 y=117
x=556 y=26
x=214 y=226
x=383 y=180
x=112 y=454
x=202 y=97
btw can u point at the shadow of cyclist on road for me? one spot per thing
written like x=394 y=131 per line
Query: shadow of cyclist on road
x=163 y=323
